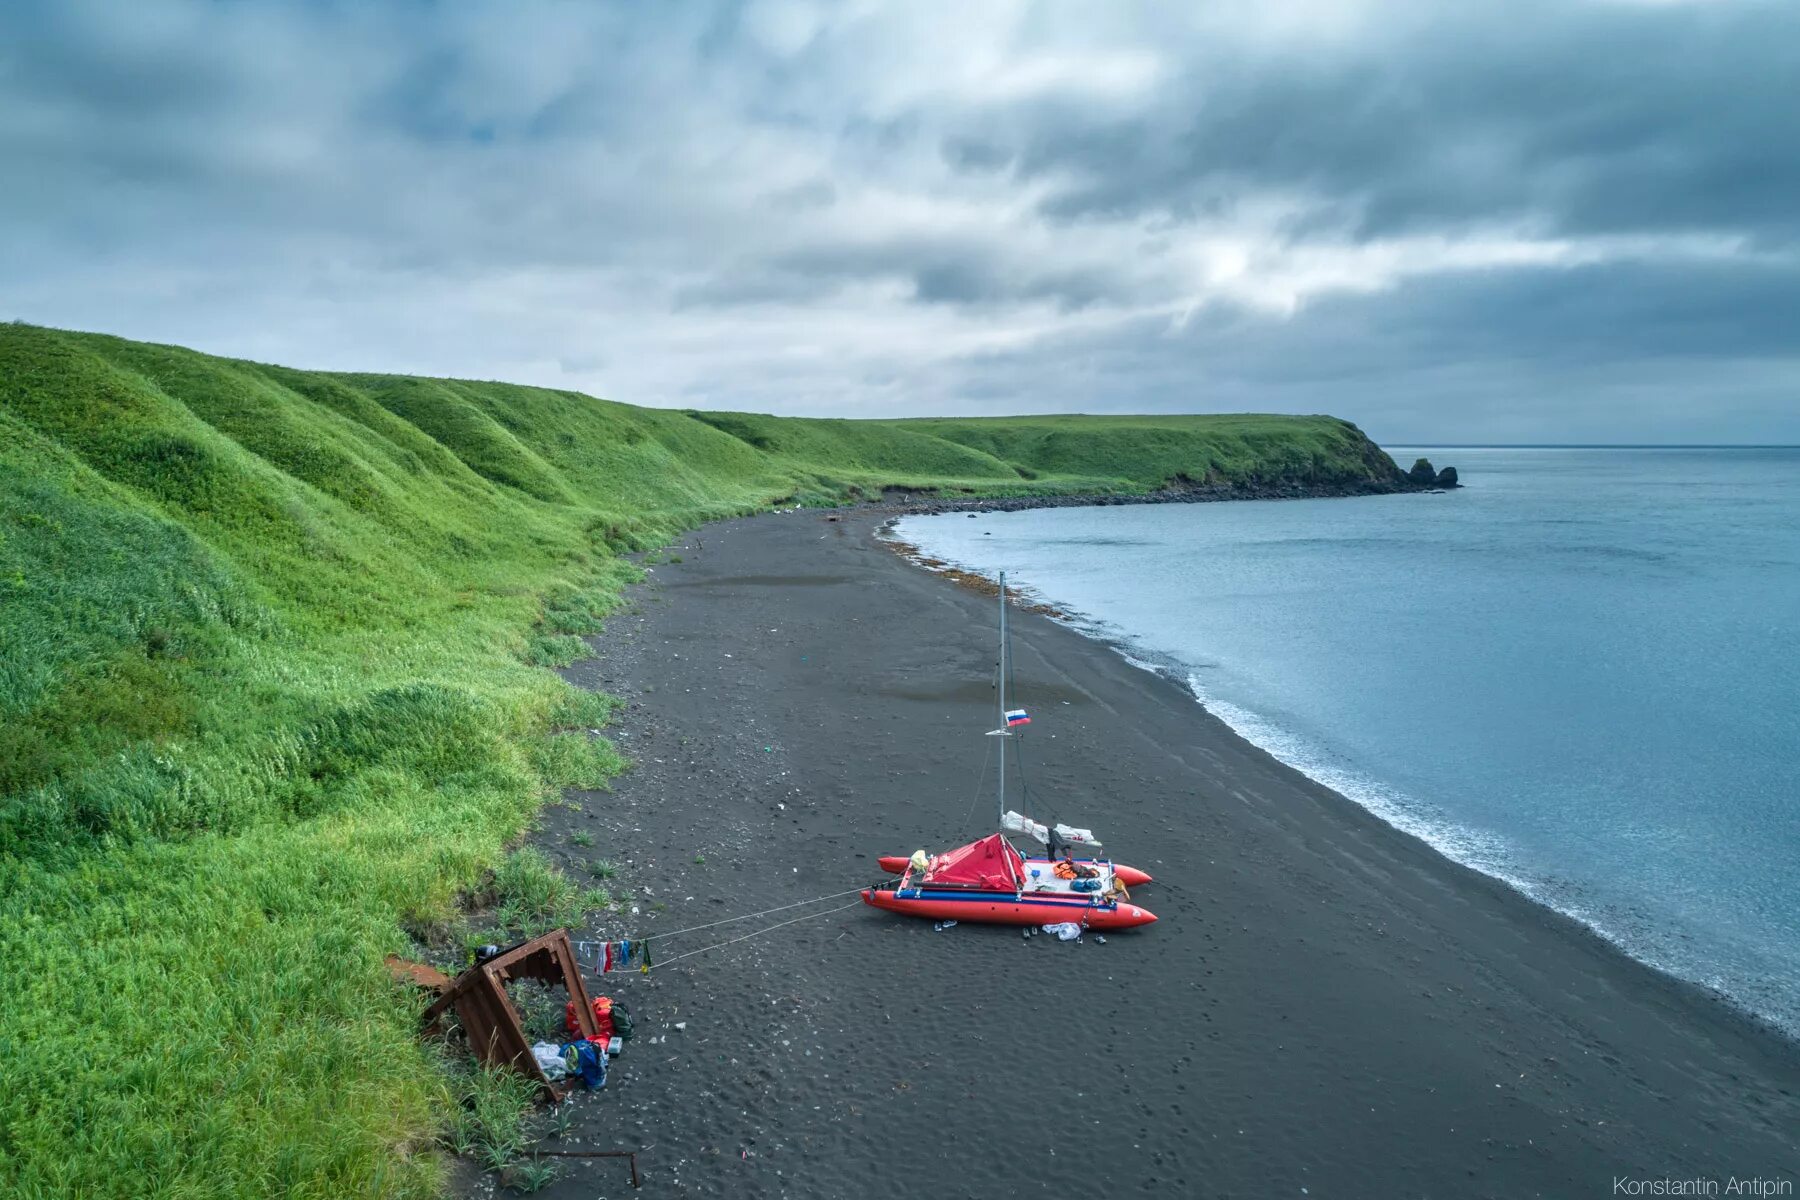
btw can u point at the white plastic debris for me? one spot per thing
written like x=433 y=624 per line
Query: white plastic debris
x=550 y=1061
x=1065 y=931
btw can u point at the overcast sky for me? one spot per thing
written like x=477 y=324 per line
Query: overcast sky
x=1519 y=221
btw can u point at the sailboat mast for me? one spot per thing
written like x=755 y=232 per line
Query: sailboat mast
x=1004 y=732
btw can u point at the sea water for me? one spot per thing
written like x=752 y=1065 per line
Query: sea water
x=1579 y=673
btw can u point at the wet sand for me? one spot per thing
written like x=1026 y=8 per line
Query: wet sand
x=1328 y=1007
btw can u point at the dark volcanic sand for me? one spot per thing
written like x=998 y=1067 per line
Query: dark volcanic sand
x=1328 y=1007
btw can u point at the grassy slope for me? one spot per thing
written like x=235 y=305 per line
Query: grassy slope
x=1071 y=454
x=266 y=692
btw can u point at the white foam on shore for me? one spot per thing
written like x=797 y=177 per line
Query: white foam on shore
x=1482 y=851
x=1485 y=852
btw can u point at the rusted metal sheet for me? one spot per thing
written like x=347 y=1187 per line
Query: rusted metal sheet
x=405 y=970
x=487 y=1014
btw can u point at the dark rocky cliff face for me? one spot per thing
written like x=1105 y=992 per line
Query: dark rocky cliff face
x=1384 y=474
x=1424 y=475
x=1358 y=467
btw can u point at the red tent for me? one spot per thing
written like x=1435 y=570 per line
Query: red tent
x=991 y=864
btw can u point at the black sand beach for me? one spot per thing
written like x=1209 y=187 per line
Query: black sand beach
x=1327 y=1007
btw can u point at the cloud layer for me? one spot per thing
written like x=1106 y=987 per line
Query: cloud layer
x=1534 y=221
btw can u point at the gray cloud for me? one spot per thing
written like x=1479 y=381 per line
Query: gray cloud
x=1537 y=221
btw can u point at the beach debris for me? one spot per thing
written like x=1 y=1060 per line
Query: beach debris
x=1065 y=931
x=636 y=1181
x=418 y=974
x=549 y=1057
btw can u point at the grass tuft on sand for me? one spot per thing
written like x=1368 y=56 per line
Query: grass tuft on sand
x=272 y=684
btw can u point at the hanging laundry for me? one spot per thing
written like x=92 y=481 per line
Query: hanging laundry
x=605 y=957
x=645 y=969
x=625 y=951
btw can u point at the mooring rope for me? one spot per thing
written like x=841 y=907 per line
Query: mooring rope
x=748 y=916
x=596 y=946
x=759 y=932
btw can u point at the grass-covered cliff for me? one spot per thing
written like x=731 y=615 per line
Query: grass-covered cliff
x=272 y=651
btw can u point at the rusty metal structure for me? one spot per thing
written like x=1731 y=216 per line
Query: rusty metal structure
x=487 y=1014
x=636 y=1180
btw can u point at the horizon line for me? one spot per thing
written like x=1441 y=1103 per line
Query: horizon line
x=1400 y=443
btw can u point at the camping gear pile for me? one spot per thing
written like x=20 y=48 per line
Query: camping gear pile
x=584 y=1058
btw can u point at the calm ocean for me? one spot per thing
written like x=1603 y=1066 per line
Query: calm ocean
x=1580 y=673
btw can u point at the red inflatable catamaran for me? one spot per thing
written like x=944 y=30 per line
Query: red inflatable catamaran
x=990 y=881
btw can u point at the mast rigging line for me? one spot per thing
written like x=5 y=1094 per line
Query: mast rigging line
x=979 y=780
x=1004 y=729
x=1008 y=676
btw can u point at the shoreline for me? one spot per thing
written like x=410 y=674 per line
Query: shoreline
x=897 y=502
x=1328 y=1002
x=1395 y=818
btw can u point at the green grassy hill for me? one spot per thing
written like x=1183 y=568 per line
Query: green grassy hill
x=272 y=689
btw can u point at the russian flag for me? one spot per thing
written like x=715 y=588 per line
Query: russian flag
x=1017 y=717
